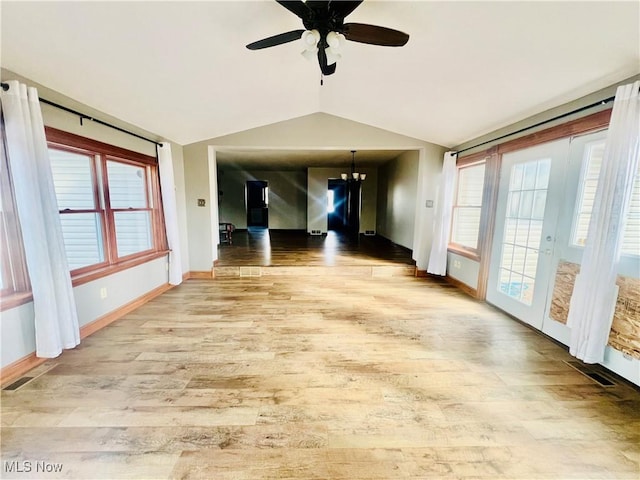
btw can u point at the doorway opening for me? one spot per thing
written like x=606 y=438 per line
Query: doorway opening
x=257 y=203
x=336 y=205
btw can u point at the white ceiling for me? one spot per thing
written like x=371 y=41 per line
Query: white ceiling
x=181 y=70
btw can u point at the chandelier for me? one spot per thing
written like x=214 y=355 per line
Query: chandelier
x=355 y=176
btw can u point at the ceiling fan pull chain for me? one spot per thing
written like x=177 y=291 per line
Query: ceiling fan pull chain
x=321 y=79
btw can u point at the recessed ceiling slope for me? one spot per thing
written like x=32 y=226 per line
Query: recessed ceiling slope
x=181 y=69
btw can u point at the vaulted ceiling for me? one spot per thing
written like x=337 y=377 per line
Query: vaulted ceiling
x=181 y=70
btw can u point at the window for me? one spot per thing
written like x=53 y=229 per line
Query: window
x=13 y=275
x=592 y=164
x=109 y=203
x=467 y=206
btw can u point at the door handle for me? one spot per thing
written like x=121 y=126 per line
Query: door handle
x=549 y=238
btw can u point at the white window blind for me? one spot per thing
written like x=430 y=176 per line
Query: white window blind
x=468 y=206
x=591 y=166
x=82 y=227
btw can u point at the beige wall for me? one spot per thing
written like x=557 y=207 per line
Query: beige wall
x=317 y=131
x=287 y=197
x=397 y=194
x=199 y=219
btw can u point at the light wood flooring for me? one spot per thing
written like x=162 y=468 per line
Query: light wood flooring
x=318 y=377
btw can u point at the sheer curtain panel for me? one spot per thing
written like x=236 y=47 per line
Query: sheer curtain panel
x=168 y=188
x=442 y=220
x=423 y=225
x=595 y=291
x=56 y=319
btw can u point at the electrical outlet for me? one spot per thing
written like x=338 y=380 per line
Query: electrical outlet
x=201 y=202
x=103 y=292
x=429 y=204
x=457 y=264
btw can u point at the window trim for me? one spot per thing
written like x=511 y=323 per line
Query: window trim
x=101 y=153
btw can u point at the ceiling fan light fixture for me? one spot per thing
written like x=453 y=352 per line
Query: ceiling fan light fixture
x=344 y=176
x=324 y=27
x=336 y=40
x=309 y=54
x=332 y=55
x=310 y=39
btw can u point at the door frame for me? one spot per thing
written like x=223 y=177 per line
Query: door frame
x=493 y=155
x=534 y=312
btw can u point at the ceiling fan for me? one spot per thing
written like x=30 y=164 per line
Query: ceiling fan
x=325 y=31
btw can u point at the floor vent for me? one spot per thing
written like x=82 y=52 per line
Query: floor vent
x=18 y=383
x=250 y=272
x=592 y=371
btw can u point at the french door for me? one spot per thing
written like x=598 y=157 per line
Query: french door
x=530 y=195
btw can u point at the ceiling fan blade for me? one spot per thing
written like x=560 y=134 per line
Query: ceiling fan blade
x=374 y=35
x=297 y=7
x=343 y=8
x=276 y=40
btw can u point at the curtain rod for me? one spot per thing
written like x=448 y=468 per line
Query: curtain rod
x=5 y=87
x=558 y=117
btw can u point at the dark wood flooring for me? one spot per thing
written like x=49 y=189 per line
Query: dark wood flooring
x=264 y=247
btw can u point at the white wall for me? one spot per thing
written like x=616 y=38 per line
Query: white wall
x=287 y=197
x=18 y=337
x=463 y=269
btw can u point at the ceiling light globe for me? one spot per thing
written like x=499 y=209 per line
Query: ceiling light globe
x=310 y=39
x=333 y=40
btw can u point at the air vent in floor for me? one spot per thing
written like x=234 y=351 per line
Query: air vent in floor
x=250 y=272
x=593 y=372
x=18 y=383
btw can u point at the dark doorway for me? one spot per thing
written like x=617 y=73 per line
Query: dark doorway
x=337 y=205
x=257 y=203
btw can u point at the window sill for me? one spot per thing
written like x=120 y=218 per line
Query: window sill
x=118 y=267
x=14 y=300
x=463 y=252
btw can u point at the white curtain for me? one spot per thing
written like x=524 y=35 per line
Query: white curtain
x=56 y=319
x=423 y=223
x=168 y=188
x=595 y=291
x=442 y=220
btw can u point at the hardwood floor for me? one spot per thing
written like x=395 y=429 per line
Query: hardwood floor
x=265 y=247
x=318 y=377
